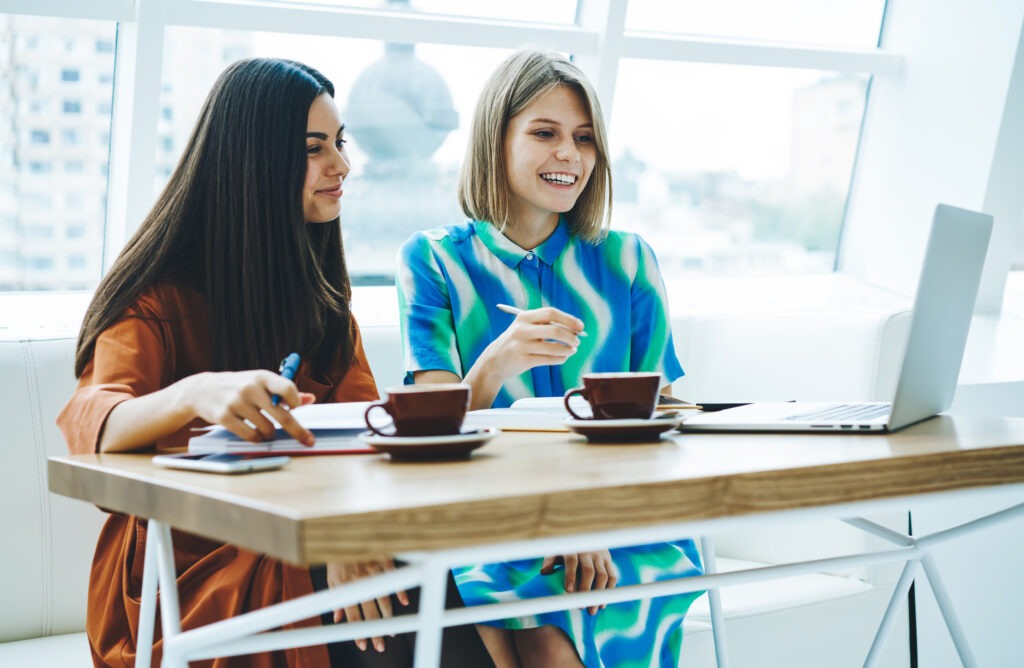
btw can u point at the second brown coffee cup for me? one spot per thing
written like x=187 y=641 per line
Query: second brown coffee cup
x=628 y=395
x=423 y=410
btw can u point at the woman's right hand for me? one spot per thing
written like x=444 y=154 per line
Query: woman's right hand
x=539 y=337
x=227 y=398
x=240 y=401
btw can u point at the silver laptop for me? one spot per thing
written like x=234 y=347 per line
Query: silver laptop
x=939 y=323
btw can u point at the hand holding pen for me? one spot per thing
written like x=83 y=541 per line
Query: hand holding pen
x=512 y=310
x=288 y=368
x=248 y=403
x=543 y=336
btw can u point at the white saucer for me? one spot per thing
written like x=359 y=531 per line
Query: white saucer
x=448 y=446
x=634 y=431
x=619 y=424
x=467 y=435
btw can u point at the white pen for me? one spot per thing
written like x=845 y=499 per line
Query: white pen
x=512 y=310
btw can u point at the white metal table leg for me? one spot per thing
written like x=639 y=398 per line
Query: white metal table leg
x=948 y=612
x=432 y=606
x=147 y=609
x=931 y=572
x=896 y=601
x=170 y=615
x=707 y=548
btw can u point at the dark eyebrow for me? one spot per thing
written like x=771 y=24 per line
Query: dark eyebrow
x=323 y=136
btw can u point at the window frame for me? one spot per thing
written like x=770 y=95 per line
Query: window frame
x=599 y=41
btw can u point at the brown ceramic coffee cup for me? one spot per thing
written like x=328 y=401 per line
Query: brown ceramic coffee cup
x=423 y=410
x=618 y=396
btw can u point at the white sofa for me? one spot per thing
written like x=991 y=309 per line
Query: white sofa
x=813 y=620
x=45 y=569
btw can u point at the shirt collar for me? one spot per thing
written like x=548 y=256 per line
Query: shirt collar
x=511 y=254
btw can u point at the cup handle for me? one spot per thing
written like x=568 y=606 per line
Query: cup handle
x=366 y=416
x=576 y=390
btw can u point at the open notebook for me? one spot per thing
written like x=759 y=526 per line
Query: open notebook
x=529 y=414
x=336 y=427
x=939 y=324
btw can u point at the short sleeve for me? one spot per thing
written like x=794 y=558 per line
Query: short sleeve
x=652 y=343
x=427 y=320
x=128 y=361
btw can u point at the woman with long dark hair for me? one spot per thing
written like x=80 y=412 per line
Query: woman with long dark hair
x=239 y=263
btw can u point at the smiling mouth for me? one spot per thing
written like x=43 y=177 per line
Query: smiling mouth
x=560 y=178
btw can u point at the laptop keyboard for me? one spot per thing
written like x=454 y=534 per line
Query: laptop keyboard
x=843 y=413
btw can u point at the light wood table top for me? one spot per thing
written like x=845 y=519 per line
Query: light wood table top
x=529 y=485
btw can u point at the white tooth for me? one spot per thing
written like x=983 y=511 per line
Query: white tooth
x=564 y=179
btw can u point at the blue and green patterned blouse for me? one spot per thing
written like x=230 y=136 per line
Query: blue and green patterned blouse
x=451 y=278
x=449 y=281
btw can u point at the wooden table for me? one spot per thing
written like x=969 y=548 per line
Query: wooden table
x=526 y=494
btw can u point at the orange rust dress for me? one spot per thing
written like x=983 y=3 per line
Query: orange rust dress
x=161 y=340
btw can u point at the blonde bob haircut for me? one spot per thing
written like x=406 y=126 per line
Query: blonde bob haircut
x=483 y=183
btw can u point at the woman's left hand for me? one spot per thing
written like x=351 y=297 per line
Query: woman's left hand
x=585 y=571
x=379 y=608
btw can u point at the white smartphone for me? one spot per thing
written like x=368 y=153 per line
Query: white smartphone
x=221 y=462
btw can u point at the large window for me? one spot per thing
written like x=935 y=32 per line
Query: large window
x=732 y=144
x=740 y=170
x=52 y=76
x=406 y=109
x=830 y=22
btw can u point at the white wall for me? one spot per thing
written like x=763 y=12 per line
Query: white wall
x=932 y=134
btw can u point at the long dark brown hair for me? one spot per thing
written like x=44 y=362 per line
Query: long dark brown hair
x=230 y=224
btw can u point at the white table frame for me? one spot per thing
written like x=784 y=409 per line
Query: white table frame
x=249 y=633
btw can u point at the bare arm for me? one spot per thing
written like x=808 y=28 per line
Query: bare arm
x=230 y=399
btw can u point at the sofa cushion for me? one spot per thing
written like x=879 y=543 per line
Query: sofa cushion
x=756 y=598
x=820 y=355
x=785 y=542
x=69 y=650
x=44 y=582
x=805 y=621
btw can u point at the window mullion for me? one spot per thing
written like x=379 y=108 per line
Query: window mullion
x=136 y=108
x=606 y=18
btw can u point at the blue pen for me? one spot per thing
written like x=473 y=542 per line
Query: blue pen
x=289 y=367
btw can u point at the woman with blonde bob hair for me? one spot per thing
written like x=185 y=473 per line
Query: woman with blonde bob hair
x=536 y=184
x=483 y=184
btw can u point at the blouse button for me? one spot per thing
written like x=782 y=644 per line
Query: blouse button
x=529 y=256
